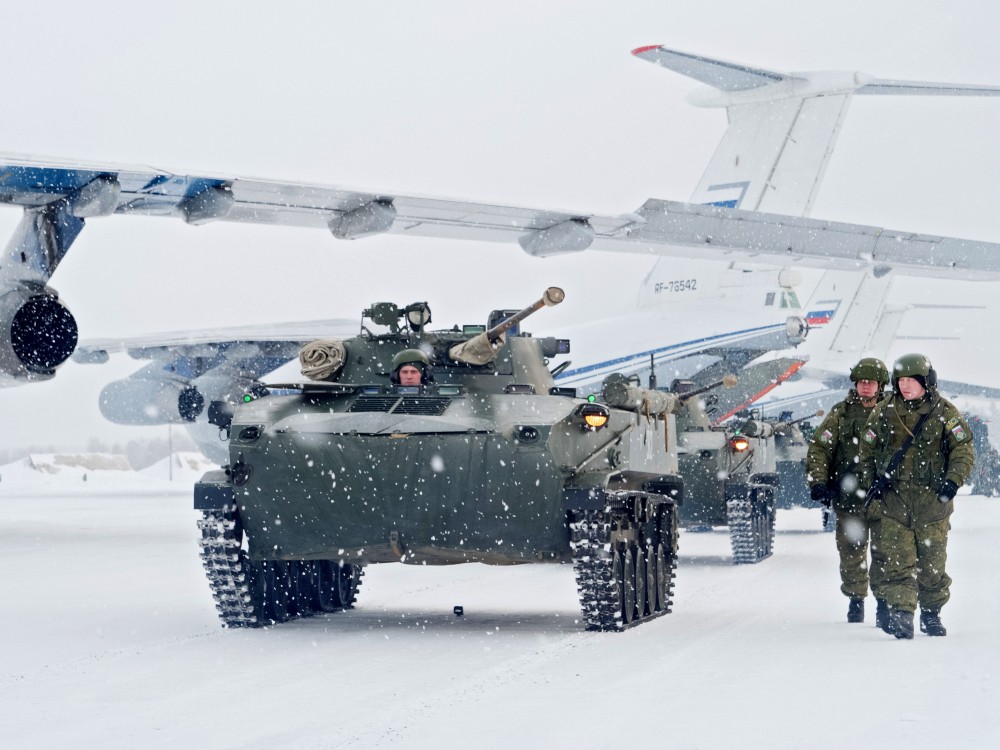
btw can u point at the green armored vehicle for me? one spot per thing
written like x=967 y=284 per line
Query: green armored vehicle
x=730 y=475
x=428 y=447
x=792 y=443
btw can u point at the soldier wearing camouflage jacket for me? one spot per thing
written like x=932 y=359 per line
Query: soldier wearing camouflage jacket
x=832 y=465
x=916 y=498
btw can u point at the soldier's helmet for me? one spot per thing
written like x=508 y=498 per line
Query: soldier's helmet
x=914 y=366
x=870 y=368
x=413 y=357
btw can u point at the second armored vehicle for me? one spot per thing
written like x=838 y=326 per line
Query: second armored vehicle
x=434 y=448
x=792 y=443
x=729 y=473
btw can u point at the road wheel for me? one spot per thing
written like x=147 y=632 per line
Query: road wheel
x=640 y=582
x=628 y=586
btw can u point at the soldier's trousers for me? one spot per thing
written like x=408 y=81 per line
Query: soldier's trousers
x=854 y=530
x=914 y=565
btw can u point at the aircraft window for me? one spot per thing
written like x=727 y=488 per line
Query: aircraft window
x=790 y=299
x=769 y=300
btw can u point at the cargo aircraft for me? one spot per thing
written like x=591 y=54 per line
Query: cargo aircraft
x=726 y=259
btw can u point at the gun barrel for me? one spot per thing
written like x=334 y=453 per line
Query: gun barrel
x=482 y=348
x=552 y=296
x=807 y=416
x=728 y=381
x=621 y=394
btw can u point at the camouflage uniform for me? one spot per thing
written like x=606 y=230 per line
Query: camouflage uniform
x=832 y=460
x=914 y=533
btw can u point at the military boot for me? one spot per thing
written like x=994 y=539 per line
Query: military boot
x=900 y=624
x=930 y=623
x=881 y=614
x=856 y=610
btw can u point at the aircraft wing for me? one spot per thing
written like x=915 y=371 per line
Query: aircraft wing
x=206 y=342
x=76 y=192
x=189 y=373
x=754 y=382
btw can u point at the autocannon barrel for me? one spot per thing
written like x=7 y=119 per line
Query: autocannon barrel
x=789 y=423
x=553 y=296
x=728 y=382
x=480 y=350
x=619 y=392
x=756 y=428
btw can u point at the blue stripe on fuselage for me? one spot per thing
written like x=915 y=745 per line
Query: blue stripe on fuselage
x=643 y=357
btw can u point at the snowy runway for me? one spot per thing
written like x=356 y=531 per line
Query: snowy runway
x=109 y=639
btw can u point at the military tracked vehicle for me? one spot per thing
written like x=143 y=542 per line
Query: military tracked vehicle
x=483 y=460
x=792 y=443
x=985 y=478
x=730 y=475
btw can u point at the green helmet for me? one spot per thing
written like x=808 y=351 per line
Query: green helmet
x=413 y=357
x=914 y=366
x=870 y=368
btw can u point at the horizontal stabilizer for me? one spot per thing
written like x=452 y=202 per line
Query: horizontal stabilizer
x=734 y=77
x=783 y=127
x=924 y=88
x=719 y=74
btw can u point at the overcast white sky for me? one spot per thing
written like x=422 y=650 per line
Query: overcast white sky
x=528 y=103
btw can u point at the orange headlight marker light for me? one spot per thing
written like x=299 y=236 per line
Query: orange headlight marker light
x=739 y=444
x=594 y=416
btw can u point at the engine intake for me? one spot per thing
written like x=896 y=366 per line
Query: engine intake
x=150 y=398
x=41 y=334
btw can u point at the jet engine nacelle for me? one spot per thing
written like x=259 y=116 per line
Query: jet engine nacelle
x=151 y=397
x=37 y=334
x=796 y=328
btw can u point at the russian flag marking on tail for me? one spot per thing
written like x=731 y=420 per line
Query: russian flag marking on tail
x=728 y=195
x=820 y=316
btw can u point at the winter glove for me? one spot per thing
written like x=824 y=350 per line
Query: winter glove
x=820 y=494
x=947 y=491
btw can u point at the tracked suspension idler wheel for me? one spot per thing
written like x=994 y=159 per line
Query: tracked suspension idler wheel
x=251 y=594
x=750 y=514
x=625 y=559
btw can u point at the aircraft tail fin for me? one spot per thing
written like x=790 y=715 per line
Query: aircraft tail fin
x=849 y=318
x=783 y=127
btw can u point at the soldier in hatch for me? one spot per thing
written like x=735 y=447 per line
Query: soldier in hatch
x=916 y=452
x=832 y=474
x=411 y=367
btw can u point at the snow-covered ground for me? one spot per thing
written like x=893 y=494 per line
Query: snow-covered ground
x=100 y=474
x=108 y=638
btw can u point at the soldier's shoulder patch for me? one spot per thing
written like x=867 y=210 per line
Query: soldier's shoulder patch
x=958 y=431
x=951 y=423
x=825 y=436
x=869 y=436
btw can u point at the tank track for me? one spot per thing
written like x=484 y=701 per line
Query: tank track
x=750 y=515
x=252 y=594
x=625 y=559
